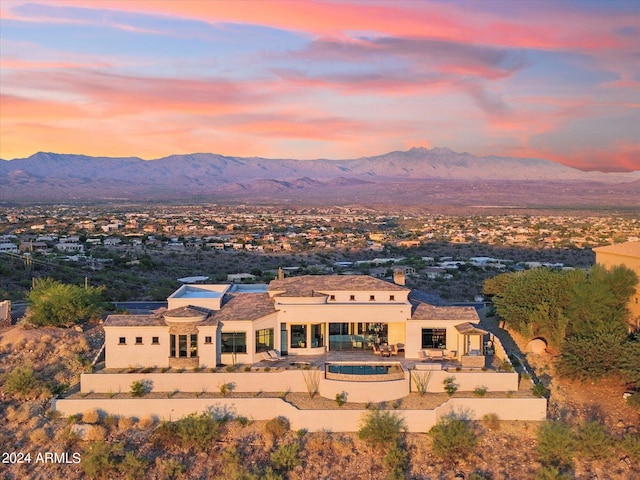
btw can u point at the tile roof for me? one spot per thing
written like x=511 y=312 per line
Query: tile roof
x=134 y=321
x=310 y=285
x=424 y=311
x=187 y=312
x=243 y=306
x=629 y=249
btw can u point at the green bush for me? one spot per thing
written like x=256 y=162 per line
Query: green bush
x=133 y=467
x=100 y=459
x=341 y=398
x=453 y=439
x=449 y=386
x=397 y=461
x=138 y=388
x=277 y=427
x=491 y=421
x=556 y=444
x=55 y=303
x=540 y=390
x=195 y=432
x=22 y=381
x=630 y=444
x=593 y=441
x=480 y=391
x=286 y=457
x=381 y=429
x=552 y=473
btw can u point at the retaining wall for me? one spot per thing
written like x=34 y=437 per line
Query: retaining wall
x=336 y=420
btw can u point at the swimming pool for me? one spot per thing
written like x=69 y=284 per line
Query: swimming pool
x=364 y=371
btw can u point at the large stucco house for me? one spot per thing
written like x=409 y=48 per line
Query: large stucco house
x=208 y=325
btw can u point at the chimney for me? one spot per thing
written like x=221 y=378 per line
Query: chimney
x=398 y=277
x=280 y=273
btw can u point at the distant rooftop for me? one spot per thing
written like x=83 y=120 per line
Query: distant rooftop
x=200 y=291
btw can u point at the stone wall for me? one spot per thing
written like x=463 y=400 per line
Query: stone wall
x=5 y=313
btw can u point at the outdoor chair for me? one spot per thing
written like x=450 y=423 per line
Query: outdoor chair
x=268 y=358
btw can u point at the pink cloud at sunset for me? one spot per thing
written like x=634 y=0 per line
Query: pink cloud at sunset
x=305 y=79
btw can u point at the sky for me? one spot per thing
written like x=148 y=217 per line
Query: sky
x=558 y=80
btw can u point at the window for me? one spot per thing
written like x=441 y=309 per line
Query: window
x=332 y=298
x=234 y=342
x=207 y=340
x=172 y=343
x=317 y=335
x=352 y=298
x=392 y=298
x=298 y=336
x=372 y=298
x=182 y=345
x=155 y=340
x=194 y=345
x=138 y=340
x=122 y=341
x=434 y=338
x=264 y=340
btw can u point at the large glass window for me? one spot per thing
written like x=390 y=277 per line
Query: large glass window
x=264 y=340
x=172 y=343
x=194 y=345
x=317 y=335
x=298 y=336
x=182 y=345
x=434 y=338
x=234 y=342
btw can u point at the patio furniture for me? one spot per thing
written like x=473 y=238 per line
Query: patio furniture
x=376 y=349
x=274 y=355
x=268 y=358
x=385 y=351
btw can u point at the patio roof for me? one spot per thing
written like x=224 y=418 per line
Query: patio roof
x=470 y=329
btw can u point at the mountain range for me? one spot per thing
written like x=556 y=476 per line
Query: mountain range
x=414 y=177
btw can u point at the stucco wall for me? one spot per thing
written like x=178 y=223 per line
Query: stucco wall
x=132 y=355
x=294 y=381
x=468 y=381
x=337 y=420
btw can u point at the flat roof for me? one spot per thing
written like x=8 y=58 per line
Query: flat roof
x=311 y=285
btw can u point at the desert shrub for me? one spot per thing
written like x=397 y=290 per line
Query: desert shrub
x=146 y=422
x=125 y=423
x=556 y=444
x=170 y=468
x=90 y=416
x=22 y=381
x=480 y=391
x=453 y=439
x=479 y=475
x=55 y=303
x=96 y=433
x=242 y=420
x=491 y=421
x=341 y=398
x=450 y=386
x=39 y=437
x=381 y=429
x=226 y=389
x=421 y=380
x=194 y=431
x=606 y=347
x=286 y=457
x=138 y=388
x=550 y=472
x=539 y=390
x=277 y=427
x=133 y=467
x=100 y=459
x=397 y=461
x=593 y=441
x=312 y=381
x=630 y=444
